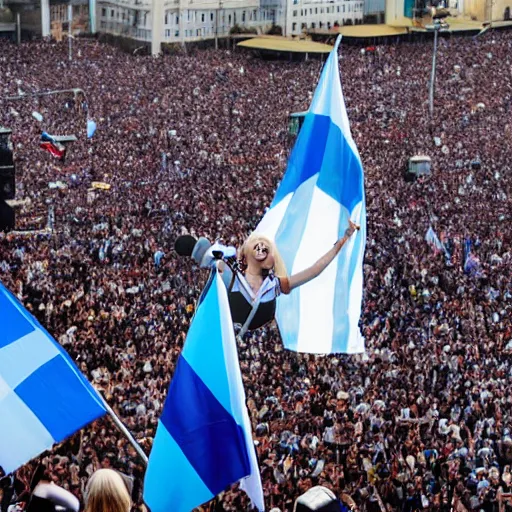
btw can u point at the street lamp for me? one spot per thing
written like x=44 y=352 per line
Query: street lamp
x=70 y=47
x=221 y=3
x=435 y=27
x=69 y=34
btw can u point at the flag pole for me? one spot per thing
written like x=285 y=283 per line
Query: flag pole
x=122 y=427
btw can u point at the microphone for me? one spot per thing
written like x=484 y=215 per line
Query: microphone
x=184 y=245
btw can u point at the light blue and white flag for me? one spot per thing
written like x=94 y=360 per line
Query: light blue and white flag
x=91 y=128
x=322 y=188
x=43 y=396
x=203 y=442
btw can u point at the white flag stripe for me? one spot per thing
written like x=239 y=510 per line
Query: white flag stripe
x=318 y=294
x=32 y=349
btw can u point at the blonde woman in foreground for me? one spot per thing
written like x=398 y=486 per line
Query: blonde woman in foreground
x=106 y=491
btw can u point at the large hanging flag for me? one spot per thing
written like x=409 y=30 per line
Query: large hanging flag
x=322 y=188
x=203 y=442
x=43 y=396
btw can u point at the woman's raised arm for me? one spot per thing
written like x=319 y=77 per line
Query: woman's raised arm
x=317 y=268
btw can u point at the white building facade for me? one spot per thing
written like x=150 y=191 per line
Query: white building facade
x=175 y=21
x=297 y=16
x=178 y=20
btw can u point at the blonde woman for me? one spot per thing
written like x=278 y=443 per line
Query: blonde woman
x=258 y=276
x=106 y=491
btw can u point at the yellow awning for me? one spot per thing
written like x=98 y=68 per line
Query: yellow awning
x=365 y=31
x=283 y=44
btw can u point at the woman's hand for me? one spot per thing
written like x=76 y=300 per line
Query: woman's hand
x=352 y=228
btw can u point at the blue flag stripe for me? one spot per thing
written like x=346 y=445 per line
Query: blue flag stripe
x=346 y=184
x=16 y=326
x=306 y=157
x=171 y=483
x=204 y=430
x=58 y=399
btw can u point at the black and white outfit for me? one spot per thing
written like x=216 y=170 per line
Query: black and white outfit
x=242 y=299
x=248 y=309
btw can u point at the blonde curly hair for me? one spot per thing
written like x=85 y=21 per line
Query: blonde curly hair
x=255 y=238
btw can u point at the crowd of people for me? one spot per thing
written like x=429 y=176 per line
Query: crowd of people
x=196 y=143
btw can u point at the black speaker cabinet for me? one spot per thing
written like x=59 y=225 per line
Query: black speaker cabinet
x=7 y=182
x=7 y=216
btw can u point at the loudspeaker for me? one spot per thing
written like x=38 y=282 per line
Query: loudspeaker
x=7 y=217
x=7 y=182
x=6 y=156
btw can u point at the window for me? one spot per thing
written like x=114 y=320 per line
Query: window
x=176 y=33
x=243 y=16
x=166 y=19
x=177 y=20
x=111 y=13
x=167 y=33
x=321 y=10
x=229 y=19
x=211 y=16
x=294 y=27
x=316 y=10
x=303 y=26
x=338 y=8
x=310 y=11
x=104 y=12
x=329 y=25
x=312 y=25
x=294 y=13
x=320 y=25
x=202 y=17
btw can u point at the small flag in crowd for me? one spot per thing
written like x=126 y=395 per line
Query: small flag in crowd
x=472 y=265
x=323 y=187
x=433 y=240
x=37 y=116
x=91 y=128
x=203 y=442
x=48 y=143
x=43 y=396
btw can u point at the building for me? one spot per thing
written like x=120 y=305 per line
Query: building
x=178 y=21
x=192 y=20
x=298 y=16
x=476 y=10
x=38 y=17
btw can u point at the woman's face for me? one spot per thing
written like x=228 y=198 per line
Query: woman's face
x=259 y=254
